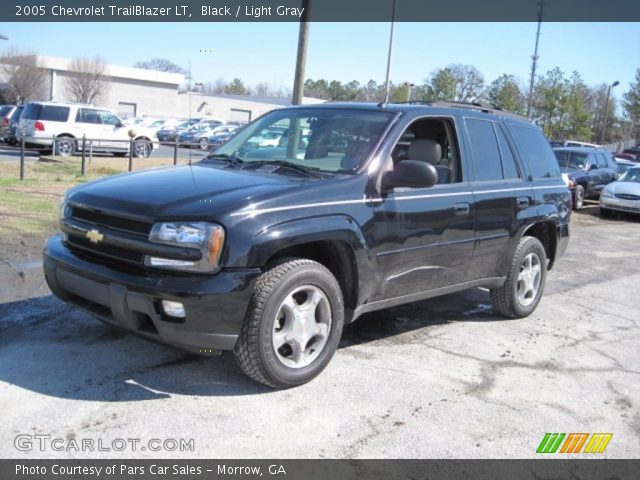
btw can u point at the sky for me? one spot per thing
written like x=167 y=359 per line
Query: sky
x=255 y=52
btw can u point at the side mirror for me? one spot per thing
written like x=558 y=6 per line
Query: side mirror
x=412 y=174
x=593 y=166
x=119 y=124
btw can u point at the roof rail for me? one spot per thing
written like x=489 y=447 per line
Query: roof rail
x=479 y=106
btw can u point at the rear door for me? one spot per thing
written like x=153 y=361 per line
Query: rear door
x=501 y=196
x=87 y=123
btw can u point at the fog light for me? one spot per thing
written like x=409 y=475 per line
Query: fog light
x=173 y=309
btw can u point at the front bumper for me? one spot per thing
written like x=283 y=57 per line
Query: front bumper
x=619 y=204
x=215 y=304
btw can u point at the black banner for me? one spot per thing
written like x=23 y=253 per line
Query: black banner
x=317 y=10
x=319 y=469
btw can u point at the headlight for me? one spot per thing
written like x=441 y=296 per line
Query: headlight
x=207 y=237
x=606 y=193
x=64 y=210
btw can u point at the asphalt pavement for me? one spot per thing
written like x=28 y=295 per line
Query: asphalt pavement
x=443 y=378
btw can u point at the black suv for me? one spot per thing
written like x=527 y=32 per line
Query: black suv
x=270 y=252
x=589 y=171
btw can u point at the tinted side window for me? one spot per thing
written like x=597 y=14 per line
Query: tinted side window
x=509 y=168
x=536 y=152
x=108 y=118
x=611 y=162
x=87 y=115
x=32 y=111
x=485 y=150
x=600 y=160
x=54 y=113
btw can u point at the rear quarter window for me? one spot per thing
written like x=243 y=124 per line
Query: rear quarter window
x=536 y=152
x=53 y=113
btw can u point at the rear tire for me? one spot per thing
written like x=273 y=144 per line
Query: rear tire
x=523 y=288
x=141 y=148
x=65 y=146
x=293 y=324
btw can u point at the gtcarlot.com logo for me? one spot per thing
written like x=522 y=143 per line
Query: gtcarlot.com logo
x=44 y=442
x=573 y=442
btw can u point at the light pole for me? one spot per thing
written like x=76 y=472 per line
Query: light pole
x=606 y=110
x=301 y=58
x=387 y=89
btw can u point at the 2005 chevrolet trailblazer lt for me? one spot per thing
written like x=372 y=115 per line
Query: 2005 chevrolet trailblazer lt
x=269 y=248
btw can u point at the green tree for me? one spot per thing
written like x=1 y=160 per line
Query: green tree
x=236 y=87
x=575 y=119
x=460 y=83
x=631 y=104
x=505 y=92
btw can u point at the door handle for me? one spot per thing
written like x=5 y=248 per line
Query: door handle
x=461 y=209
x=523 y=202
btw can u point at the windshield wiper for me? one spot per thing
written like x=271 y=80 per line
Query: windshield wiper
x=311 y=171
x=230 y=159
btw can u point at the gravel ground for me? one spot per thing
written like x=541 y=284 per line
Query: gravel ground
x=441 y=378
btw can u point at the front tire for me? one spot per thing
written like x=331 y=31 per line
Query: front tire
x=578 y=197
x=292 y=326
x=522 y=290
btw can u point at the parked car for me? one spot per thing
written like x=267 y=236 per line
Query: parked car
x=43 y=122
x=171 y=133
x=221 y=135
x=623 y=195
x=628 y=156
x=589 y=170
x=623 y=165
x=198 y=134
x=635 y=151
x=271 y=257
x=576 y=143
x=10 y=132
x=5 y=113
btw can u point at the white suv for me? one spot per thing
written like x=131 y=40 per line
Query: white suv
x=60 y=126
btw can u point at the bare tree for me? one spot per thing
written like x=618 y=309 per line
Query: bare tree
x=24 y=75
x=161 y=65
x=87 y=82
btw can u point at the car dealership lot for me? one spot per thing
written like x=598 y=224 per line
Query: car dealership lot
x=439 y=378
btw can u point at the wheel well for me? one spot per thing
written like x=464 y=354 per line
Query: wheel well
x=65 y=135
x=147 y=139
x=337 y=256
x=546 y=233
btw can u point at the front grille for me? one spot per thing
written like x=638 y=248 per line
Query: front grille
x=112 y=221
x=627 y=196
x=102 y=252
x=79 y=243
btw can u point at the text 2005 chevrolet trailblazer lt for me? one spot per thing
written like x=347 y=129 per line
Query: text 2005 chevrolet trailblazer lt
x=308 y=218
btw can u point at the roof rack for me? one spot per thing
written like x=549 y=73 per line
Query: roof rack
x=479 y=106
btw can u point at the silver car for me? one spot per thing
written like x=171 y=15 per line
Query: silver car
x=622 y=195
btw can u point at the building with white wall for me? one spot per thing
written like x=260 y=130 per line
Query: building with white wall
x=138 y=92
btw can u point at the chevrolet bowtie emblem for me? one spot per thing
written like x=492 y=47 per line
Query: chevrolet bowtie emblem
x=94 y=236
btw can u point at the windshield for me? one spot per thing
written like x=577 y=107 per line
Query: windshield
x=329 y=140
x=571 y=160
x=632 y=175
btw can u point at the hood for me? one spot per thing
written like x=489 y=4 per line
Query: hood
x=179 y=192
x=629 y=188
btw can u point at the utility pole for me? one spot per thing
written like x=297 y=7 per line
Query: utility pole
x=301 y=60
x=535 y=59
x=387 y=91
x=606 y=110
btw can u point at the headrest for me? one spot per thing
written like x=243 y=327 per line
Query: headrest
x=426 y=150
